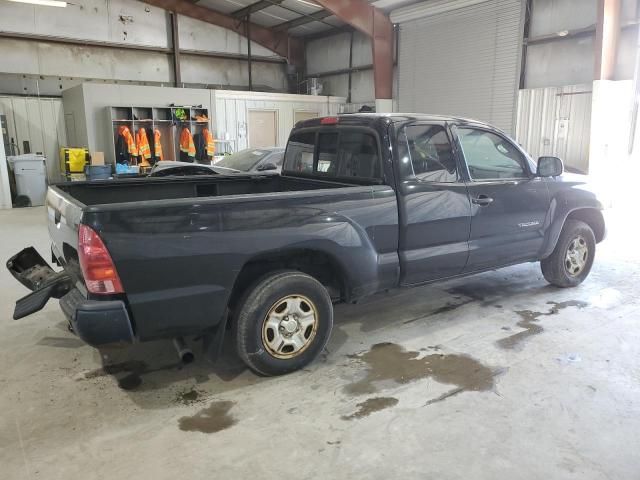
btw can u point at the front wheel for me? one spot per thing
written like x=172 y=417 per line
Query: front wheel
x=283 y=322
x=571 y=260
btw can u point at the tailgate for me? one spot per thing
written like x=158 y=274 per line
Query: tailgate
x=63 y=220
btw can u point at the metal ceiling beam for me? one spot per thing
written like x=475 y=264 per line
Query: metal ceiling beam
x=296 y=22
x=128 y=46
x=254 y=7
x=279 y=42
x=375 y=24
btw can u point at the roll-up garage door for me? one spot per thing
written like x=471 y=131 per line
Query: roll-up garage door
x=462 y=58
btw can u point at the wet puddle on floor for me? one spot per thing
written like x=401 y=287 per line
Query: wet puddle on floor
x=370 y=406
x=529 y=319
x=211 y=419
x=390 y=364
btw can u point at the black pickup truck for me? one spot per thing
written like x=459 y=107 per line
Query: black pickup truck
x=365 y=203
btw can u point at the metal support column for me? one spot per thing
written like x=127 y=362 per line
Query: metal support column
x=248 y=23
x=176 y=49
x=607 y=38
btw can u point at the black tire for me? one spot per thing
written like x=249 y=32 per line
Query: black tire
x=559 y=271
x=256 y=339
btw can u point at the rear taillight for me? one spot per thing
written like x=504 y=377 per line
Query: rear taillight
x=98 y=270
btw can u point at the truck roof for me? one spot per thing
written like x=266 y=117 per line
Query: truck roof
x=371 y=119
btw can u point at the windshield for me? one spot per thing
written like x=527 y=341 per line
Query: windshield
x=243 y=160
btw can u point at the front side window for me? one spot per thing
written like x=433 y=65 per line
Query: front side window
x=432 y=157
x=342 y=153
x=490 y=156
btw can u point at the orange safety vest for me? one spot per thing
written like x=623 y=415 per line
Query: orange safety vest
x=128 y=138
x=211 y=146
x=157 y=146
x=186 y=143
x=144 y=150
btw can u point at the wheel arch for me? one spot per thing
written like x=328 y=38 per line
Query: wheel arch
x=592 y=217
x=321 y=265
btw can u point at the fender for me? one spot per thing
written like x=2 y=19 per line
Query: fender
x=346 y=245
x=571 y=197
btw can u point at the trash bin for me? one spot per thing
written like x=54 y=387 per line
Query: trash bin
x=31 y=177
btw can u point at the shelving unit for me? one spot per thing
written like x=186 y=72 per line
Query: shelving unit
x=163 y=119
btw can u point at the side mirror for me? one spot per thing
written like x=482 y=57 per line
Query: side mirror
x=267 y=166
x=549 y=167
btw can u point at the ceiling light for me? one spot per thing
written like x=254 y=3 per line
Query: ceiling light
x=314 y=5
x=44 y=3
x=563 y=33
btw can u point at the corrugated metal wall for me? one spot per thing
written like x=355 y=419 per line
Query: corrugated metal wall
x=44 y=68
x=331 y=54
x=463 y=62
x=39 y=121
x=556 y=121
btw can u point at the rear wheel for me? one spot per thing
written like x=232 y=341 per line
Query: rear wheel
x=283 y=322
x=571 y=260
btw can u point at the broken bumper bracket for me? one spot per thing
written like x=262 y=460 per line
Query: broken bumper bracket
x=31 y=270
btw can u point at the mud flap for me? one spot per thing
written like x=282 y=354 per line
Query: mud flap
x=32 y=271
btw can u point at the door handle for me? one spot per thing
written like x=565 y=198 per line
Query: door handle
x=482 y=200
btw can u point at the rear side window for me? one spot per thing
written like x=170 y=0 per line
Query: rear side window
x=358 y=155
x=432 y=157
x=327 y=153
x=300 y=150
x=343 y=153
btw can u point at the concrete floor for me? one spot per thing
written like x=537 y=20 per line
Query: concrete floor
x=491 y=377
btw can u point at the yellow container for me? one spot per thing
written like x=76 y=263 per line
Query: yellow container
x=73 y=160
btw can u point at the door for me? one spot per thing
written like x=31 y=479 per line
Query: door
x=435 y=213
x=263 y=131
x=509 y=204
x=299 y=116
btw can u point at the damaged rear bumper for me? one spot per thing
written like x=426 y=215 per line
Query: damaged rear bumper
x=97 y=322
x=32 y=271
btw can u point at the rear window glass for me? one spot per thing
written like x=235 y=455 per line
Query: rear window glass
x=300 y=150
x=343 y=153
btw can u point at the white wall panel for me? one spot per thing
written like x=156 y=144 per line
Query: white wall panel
x=40 y=122
x=19 y=56
x=96 y=20
x=362 y=50
x=231 y=110
x=126 y=22
x=328 y=54
x=202 y=36
x=336 y=85
x=553 y=16
x=207 y=71
x=556 y=121
x=362 y=87
x=136 y=23
x=562 y=62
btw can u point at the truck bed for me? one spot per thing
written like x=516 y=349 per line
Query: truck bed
x=149 y=189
